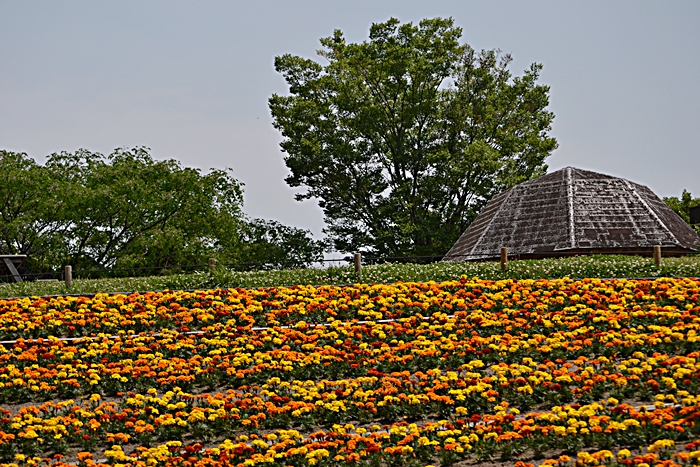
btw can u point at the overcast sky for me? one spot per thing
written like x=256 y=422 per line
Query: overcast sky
x=190 y=80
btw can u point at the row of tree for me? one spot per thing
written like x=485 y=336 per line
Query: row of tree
x=127 y=210
x=402 y=139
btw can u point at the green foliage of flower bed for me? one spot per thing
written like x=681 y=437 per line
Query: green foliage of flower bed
x=602 y=266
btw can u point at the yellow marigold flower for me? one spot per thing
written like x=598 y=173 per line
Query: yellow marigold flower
x=624 y=454
x=661 y=445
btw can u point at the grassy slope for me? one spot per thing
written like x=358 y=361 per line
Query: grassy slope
x=576 y=267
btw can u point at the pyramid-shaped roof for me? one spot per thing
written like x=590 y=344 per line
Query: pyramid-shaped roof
x=574 y=211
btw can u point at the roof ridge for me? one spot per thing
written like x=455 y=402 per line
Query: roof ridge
x=570 y=205
x=493 y=216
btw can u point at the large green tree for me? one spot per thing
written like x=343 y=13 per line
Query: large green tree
x=127 y=210
x=404 y=137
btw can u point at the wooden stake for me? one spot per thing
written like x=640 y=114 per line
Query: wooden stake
x=504 y=258
x=212 y=263
x=657 y=255
x=68 y=276
x=358 y=264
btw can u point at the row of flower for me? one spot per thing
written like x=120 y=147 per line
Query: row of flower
x=473 y=388
x=637 y=355
x=441 y=442
x=175 y=414
x=34 y=317
x=486 y=370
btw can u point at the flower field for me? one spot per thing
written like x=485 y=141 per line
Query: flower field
x=530 y=372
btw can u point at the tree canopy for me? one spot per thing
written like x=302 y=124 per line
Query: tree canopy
x=404 y=137
x=127 y=210
x=682 y=205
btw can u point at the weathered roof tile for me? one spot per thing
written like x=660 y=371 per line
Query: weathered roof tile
x=574 y=211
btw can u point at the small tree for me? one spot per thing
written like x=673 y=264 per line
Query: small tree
x=682 y=205
x=404 y=137
x=272 y=245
